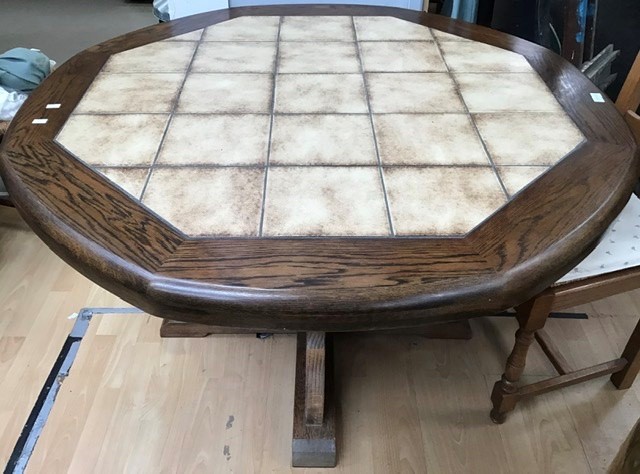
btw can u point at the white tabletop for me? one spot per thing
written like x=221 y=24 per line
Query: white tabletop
x=320 y=126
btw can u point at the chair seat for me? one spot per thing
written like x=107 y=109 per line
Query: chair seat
x=618 y=249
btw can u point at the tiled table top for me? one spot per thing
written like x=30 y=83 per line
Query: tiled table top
x=320 y=126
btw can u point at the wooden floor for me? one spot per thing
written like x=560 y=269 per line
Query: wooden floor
x=135 y=403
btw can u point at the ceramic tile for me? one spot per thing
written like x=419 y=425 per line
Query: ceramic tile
x=208 y=201
x=528 y=138
x=499 y=92
x=401 y=56
x=230 y=56
x=191 y=36
x=322 y=139
x=434 y=139
x=172 y=56
x=113 y=140
x=472 y=56
x=443 y=37
x=318 y=57
x=325 y=93
x=130 y=179
x=248 y=28
x=441 y=200
x=316 y=201
x=316 y=28
x=413 y=92
x=131 y=93
x=232 y=93
x=216 y=140
x=516 y=178
x=381 y=28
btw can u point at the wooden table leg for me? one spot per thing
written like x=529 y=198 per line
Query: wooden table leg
x=531 y=316
x=314 y=416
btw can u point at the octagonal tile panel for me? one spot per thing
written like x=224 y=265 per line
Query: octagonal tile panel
x=319 y=126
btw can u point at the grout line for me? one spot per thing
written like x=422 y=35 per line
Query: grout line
x=373 y=129
x=99 y=167
x=330 y=40
x=473 y=123
x=239 y=114
x=171 y=114
x=276 y=65
x=266 y=73
x=328 y=237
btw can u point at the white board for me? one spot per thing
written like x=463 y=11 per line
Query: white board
x=180 y=8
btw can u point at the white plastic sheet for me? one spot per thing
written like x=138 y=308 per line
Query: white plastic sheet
x=10 y=102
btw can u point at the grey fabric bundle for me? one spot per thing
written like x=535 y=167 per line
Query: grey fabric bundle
x=23 y=69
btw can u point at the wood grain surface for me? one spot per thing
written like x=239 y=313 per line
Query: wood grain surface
x=314 y=407
x=330 y=284
x=405 y=404
x=314 y=378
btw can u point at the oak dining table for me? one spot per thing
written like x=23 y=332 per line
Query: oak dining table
x=315 y=170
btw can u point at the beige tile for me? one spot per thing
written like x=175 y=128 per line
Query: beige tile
x=208 y=201
x=230 y=56
x=130 y=179
x=113 y=140
x=442 y=37
x=163 y=56
x=233 y=93
x=413 y=92
x=497 y=92
x=472 y=56
x=216 y=140
x=325 y=93
x=297 y=56
x=316 y=28
x=441 y=200
x=191 y=36
x=381 y=28
x=322 y=139
x=432 y=139
x=248 y=28
x=316 y=201
x=132 y=93
x=528 y=138
x=516 y=178
x=401 y=56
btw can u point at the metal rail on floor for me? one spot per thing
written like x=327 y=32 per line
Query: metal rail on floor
x=44 y=403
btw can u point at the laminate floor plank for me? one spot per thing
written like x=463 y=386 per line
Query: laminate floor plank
x=38 y=292
x=134 y=402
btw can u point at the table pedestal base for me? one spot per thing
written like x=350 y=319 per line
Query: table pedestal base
x=314 y=412
x=452 y=330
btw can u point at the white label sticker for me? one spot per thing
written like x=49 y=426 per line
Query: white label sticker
x=39 y=121
x=53 y=106
x=597 y=97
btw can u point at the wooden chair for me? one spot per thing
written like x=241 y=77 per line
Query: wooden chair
x=587 y=282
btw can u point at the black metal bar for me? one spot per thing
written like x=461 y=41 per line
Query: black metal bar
x=554 y=315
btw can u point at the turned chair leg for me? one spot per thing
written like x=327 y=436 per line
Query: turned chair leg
x=624 y=378
x=531 y=316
